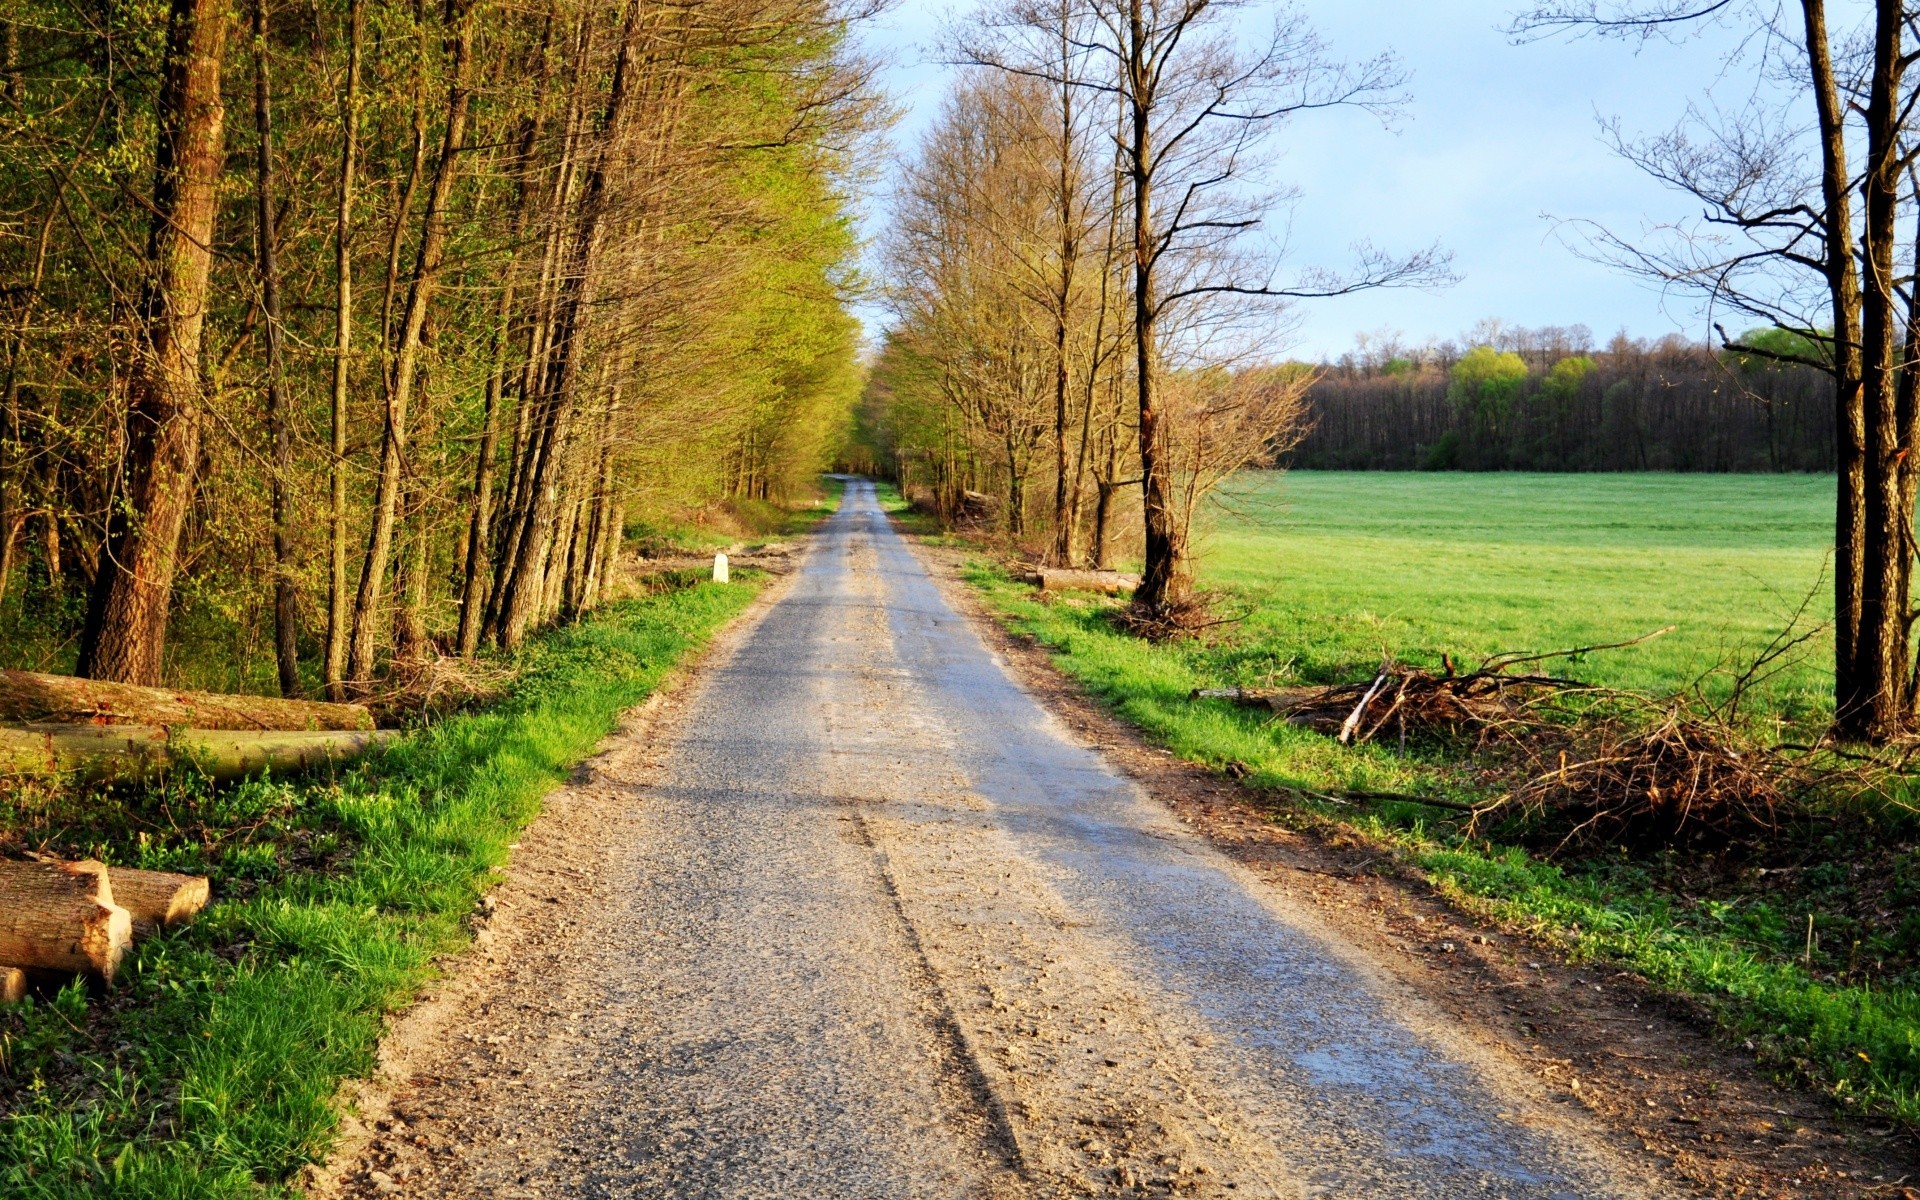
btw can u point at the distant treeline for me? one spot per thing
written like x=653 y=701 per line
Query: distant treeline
x=1542 y=400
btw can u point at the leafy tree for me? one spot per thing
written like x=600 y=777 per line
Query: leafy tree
x=1564 y=379
x=1485 y=382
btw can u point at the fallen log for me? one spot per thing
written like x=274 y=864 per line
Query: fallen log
x=61 y=916
x=13 y=984
x=1051 y=579
x=157 y=899
x=32 y=698
x=100 y=753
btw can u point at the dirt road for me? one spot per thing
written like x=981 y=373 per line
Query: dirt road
x=859 y=918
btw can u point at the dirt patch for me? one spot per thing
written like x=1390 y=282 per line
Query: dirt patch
x=1696 y=1113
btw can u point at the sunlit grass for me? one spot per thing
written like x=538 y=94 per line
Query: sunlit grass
x=1341 y=567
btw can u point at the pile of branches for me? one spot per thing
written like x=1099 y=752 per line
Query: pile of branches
x=1684 y=780
x=1494 y=700
x=434 y=685
x=1574 y=765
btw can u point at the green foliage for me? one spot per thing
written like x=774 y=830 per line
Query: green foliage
x=1564 y=379
x=1485 y=382
x=1769 y=348
x=213 y=1068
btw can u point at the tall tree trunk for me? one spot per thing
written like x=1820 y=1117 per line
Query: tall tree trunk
x=1851 y=692
x=334 y=666
x=126 y=629
x=1063 y=518
x=530 y=427
x=480 y=525
x=407 y=356
x=1163 y=579
x=285 y=612
x=1882 y=648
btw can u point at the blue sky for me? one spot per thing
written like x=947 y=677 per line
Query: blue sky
x=1499 y=140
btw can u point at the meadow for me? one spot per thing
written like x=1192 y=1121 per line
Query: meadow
x=1339 y=568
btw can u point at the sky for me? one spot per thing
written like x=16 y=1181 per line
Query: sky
x=1501 y=144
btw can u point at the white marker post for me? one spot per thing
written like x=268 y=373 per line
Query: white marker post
x=719 y=568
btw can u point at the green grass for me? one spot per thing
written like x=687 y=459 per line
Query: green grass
x=1343 y=566
x=1333 y=566
x=212 y=1068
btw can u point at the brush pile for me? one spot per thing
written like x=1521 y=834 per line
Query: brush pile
x=1682 y=781
x=1402 y=701
x=432 y=684
x=1571 y=765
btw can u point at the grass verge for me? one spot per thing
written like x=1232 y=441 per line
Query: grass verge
x=1805 y=967
x=212 y=1068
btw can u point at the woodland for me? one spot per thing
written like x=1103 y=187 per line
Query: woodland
x=341 y=337
x=1548 y=400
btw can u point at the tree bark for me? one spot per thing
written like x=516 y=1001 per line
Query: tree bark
x=1881 y=651
x=334 y=667
x=126 y=629
x=285 y=611
x=157 y=900
x=29 y=697
x=1843 y=285
x=102 y=754
x=1163 y=580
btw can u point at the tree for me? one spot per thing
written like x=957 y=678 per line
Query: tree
x=1484 y=383
x=704 y=352
x=125 y=636
x=1784 y=240
x=1194 y=108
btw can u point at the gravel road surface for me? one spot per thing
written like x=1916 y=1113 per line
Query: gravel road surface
x=872 y=923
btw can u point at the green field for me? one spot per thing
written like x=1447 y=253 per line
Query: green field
x=1340 y=567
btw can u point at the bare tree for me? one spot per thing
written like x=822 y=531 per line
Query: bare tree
x=1782 y=242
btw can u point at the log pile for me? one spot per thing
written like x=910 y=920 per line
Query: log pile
x=62 y=919
x=99 y=731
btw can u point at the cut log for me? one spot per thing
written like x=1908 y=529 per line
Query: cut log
x=57 y=916
x=110 y=752
x=1050 y=579
x=30 y=698
x=13 y=984
x=157 y=899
